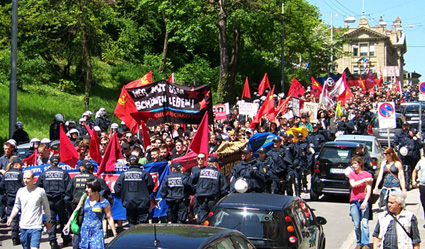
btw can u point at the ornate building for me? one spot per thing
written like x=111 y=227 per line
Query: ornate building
x=375 y=48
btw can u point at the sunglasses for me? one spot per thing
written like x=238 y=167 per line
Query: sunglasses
x=386 y=153
x=201 y=158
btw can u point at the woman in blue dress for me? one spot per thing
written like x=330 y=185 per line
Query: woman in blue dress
x=95 y=207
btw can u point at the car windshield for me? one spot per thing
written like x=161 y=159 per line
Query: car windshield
x=413 y=109
x=262 y=227
x=336 y=155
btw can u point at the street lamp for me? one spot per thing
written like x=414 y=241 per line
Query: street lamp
x=13 y=88
x=283 y=50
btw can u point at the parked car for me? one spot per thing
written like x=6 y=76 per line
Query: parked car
x=372 y=144
x=328 y=176
x=382 y=134
x=179 y=236
x=411 y=112
x=23 y=149
x=270 y=220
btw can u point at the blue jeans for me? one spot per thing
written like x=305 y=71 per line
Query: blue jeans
x=30 y=238
x=361 y=225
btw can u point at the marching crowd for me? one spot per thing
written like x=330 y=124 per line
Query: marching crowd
x=282 y=169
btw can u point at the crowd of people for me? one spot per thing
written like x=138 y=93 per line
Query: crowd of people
x=282 y=169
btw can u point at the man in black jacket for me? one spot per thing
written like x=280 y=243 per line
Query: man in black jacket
x=134 y=187
x=175 y=190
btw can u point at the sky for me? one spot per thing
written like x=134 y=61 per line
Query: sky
x=411 y=13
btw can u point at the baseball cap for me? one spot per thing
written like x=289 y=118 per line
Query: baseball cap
x=262 y=150
x=17 y=160
x=54 y=159
x=213 y=159
x=125 y=146
x=299 y=135
x=176 y=165
x=359 y=146
x=247 y=150
x=276 y=139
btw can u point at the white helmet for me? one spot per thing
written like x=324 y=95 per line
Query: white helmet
x=241 y=185
x=45 y=141
x=33 y=141
x=12 y=142
x=96 y=128
x=404 y=150
x=73 y=131
x=114 y=126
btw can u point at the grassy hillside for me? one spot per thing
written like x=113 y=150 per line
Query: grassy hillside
x=38 y=104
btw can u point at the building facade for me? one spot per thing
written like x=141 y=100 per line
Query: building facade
x=374 y=48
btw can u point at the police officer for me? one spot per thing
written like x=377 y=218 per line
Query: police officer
x=358 y=123
x=211 y=185
x=175 y=190
x=279 y=169
x=241 y=170
x=9 y=185
x=265 y=164
x=399 y=136
x=315 y=138
x=134 y=187
x=289 y=158
x=9 y=148
x=20 y=136
x=413 y=145
x=343 y=125
x=301 y=163
x=55 y=181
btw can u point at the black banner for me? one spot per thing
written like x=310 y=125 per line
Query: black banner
x=173 y=103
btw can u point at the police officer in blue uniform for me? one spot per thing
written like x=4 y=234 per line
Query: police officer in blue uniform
x=9 y=185
x=301 y=164
x=279 y=169
x=242 y=170
x=315 y=138
x=413 y=145
x=175 y=190
x=211 y=185
x=399 y=136
x=134 y=187
x=55 y=181
x=289 y=158
x=265 y=164
x=358 y=123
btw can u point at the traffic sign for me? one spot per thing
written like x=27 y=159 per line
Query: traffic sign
x=386 y=115
x=422 y=87
x=421 y=96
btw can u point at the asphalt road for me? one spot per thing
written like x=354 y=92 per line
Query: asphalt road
x=338 y=230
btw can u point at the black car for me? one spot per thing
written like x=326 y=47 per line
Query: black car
x=178 y=236
x=270 y=220
x=328 y=176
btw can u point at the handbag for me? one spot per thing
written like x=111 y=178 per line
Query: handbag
x=78 y=216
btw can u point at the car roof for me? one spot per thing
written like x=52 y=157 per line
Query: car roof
x=176 y=236
x=355 y=137
x=341 y=143
x=256 y=200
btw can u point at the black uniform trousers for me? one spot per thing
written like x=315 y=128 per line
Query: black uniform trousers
x=205 y=204
x=177 y=211
x=137 y=215
x=14 y=225
x=57 y=208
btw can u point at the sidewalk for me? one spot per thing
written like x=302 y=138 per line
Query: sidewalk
x=413 y=204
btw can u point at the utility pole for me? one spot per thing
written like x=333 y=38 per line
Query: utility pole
x=332 y=44
x=283 y=49
x=13 y=58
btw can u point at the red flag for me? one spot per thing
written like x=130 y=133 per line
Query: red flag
x=125 y=106
x=264 y=84
x=68 y=154
x=145 y=80
x=263 y=110
x=171 y=78
x=398 y=86
x=94 y=148
x=112 y=154
x=270 y=106
x=316 y=88
x=282 y=106
x=200 y=140
x=296 y=89
x=370 y=80
x=381 y=79
x=145 y=135
x=362 y=85
x=31 y=160
x=187 y=161
x=246 y=93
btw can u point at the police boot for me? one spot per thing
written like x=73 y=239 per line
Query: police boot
x=54 y=244
x=16 y=242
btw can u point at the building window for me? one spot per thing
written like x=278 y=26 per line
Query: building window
x=372 y=69
x=355 y=50
x=363 y=49
x=355 y=70
x=362 y=70
x=372 y=49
